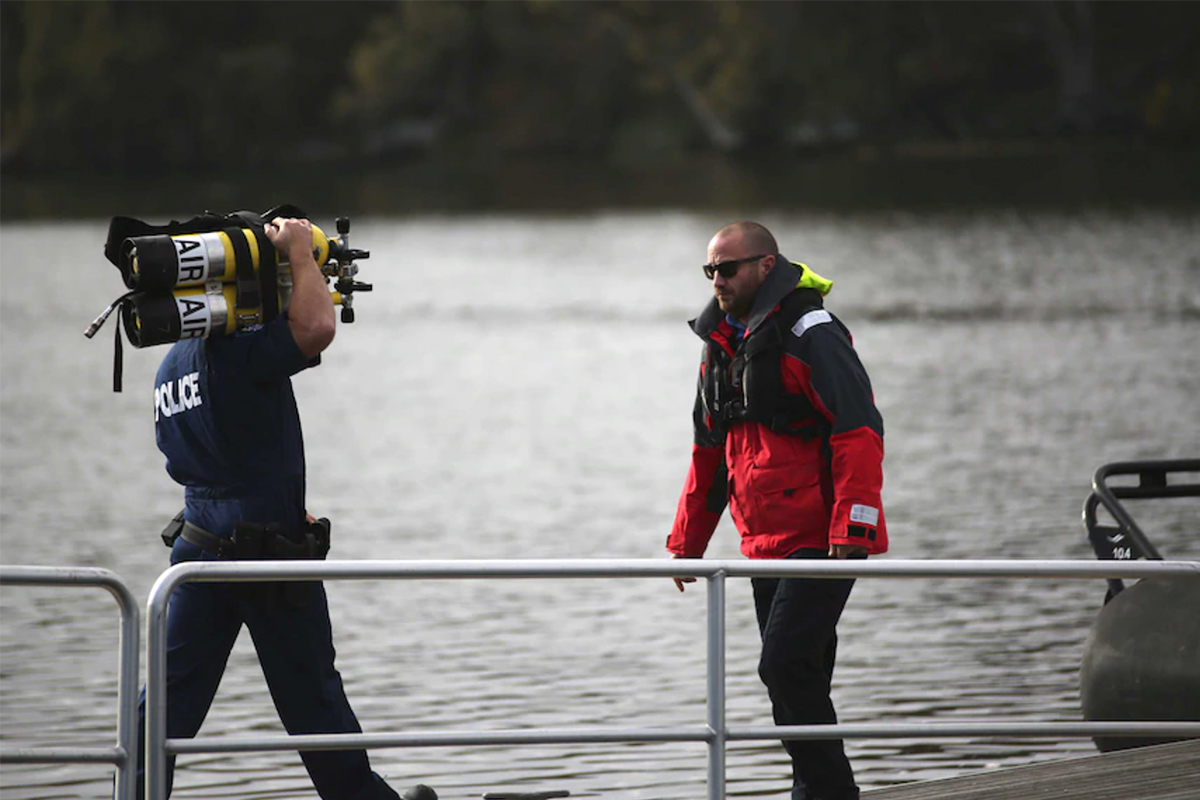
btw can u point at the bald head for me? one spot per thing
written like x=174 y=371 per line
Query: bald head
x=753 y=236
x=739 y=258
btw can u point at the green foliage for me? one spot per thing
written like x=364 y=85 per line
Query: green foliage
x=152 y=86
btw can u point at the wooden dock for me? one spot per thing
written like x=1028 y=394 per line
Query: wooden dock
x=1158 y=772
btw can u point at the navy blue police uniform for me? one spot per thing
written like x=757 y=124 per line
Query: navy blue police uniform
x=227 y=422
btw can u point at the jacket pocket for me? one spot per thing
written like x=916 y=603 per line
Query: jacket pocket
x=786 y=499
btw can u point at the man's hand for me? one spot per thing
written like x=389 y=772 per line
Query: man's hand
x=291 y=237
x=311 y=317
x=847 y=551
x=679 y=582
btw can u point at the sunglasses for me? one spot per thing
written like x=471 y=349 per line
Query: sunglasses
x=727 y=269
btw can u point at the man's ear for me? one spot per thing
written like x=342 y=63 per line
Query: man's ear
x=770 y=265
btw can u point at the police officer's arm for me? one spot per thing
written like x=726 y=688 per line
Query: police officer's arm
x=822 y=363
x=310 y=313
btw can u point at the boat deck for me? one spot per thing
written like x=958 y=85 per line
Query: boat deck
x=1158 y=772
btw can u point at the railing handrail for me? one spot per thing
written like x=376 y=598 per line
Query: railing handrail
x=715 y=732
x=122 y=754
x=225 y=571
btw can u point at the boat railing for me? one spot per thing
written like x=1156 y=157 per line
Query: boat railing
x=122 y=753
x=714 y=731
x=1126 y=541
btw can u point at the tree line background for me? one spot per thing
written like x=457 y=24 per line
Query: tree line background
x=138 y=88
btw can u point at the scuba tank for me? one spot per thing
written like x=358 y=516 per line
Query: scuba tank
x=213 y=275
x=163 y=261
x=152 y=318
x=185 y=286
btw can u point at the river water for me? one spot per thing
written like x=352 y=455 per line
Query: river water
x=520 y=387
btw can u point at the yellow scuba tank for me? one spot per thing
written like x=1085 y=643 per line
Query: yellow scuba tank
x=191 y=312
x=213 y=275
x=163 y=261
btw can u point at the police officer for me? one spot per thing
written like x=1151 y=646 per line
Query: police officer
x=227 y=422
x=788 y=436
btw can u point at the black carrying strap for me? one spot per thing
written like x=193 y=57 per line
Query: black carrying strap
x=268 y=267
x=122 y=228
x=249 y=291
x=259 y=290
x=268 y=276
x=268 y=257
x=286 y=210
x=118 y=354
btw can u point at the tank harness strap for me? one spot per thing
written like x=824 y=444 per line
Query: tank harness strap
x=118 y=355
x=267 y=276
x=122 y=303
x=249 y=294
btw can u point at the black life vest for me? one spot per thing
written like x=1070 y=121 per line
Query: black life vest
x=749 y=386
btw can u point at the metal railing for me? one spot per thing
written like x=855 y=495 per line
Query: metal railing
x=121 y=755
x=715 y=732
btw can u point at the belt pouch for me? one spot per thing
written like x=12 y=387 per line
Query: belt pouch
x=173 y=529
x=249 y=541
x=248 y=544
x=312 y=542
x=319 y=535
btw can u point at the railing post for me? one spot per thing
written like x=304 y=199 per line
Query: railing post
x=716 y=685
x=124 y=755
x=156 y=688
x=127 y=690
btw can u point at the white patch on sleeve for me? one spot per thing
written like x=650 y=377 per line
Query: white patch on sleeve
x=865 y=515
x=817 y=317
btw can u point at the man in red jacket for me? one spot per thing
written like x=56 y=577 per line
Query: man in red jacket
x=788 y=436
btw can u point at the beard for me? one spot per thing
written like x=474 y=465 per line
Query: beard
x=736 y=305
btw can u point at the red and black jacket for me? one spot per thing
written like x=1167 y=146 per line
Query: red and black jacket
x=786 y=431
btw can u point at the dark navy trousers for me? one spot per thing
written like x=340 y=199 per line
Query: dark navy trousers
x=294 y=642
x=798 y=618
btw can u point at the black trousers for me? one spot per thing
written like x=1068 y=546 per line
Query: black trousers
x=798 y=618
x=295 y=649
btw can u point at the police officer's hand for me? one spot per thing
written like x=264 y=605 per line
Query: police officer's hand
x=679 y=582
x=847 y=551
x=310 y=314
x=291 y=237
